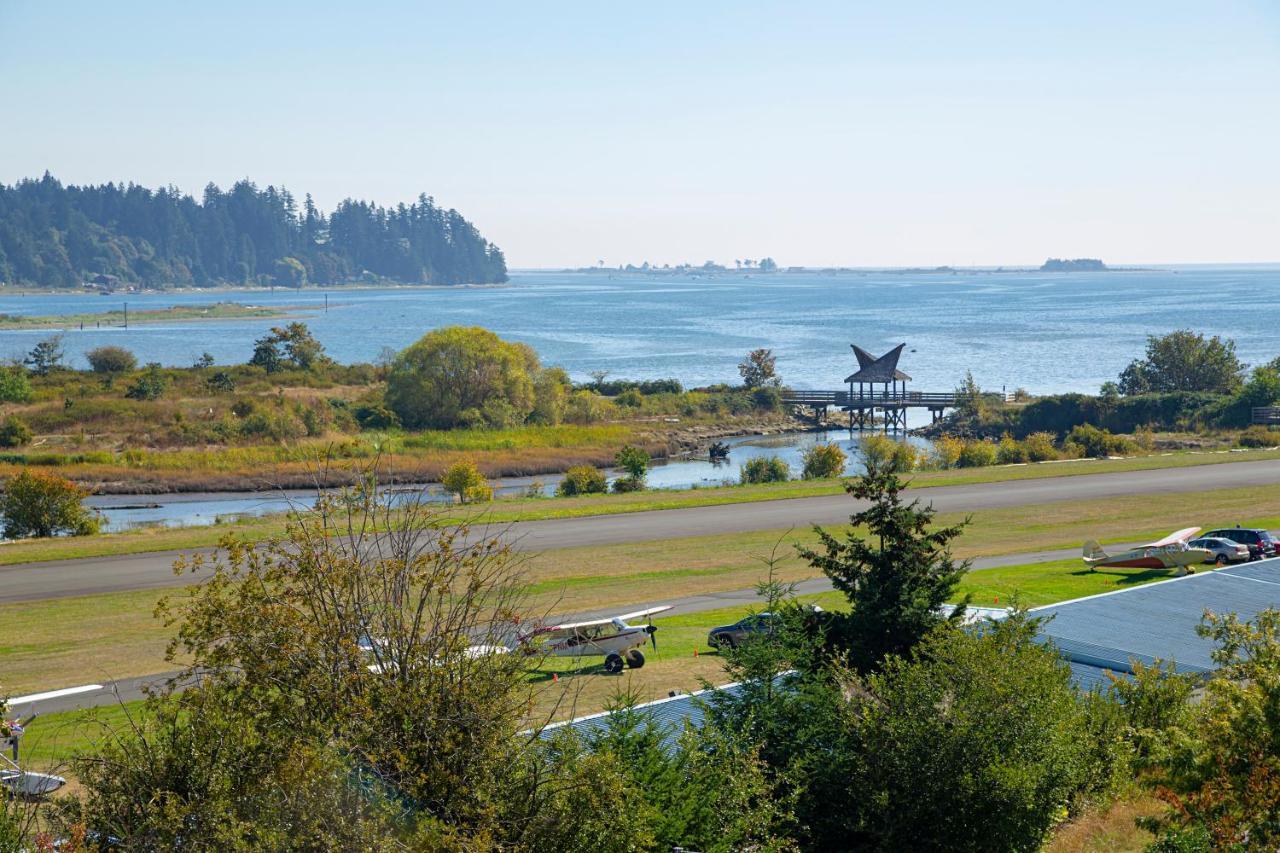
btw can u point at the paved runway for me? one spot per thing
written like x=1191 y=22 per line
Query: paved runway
x=90 y=576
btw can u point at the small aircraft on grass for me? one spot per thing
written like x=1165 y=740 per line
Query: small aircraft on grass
x=19 y=782
x=1171 y=552
x=613 y=638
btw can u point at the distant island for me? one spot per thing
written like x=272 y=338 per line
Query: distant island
x=708 y=267
x=1076 y=265
x=125 y=236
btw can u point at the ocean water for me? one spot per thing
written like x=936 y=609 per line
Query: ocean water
x=1044 y=332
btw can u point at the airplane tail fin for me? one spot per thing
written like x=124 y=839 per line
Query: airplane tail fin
x=1093 y=551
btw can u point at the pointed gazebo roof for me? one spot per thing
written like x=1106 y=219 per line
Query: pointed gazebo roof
x=882 y=369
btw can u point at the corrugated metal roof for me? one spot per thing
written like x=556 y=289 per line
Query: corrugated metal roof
x=669 y=713
x=1159 y=620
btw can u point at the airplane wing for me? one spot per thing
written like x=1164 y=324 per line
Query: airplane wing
x=567 y=627
x=1173 y=538
x=640 y=614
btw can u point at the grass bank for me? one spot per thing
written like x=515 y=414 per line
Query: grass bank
x=60 y=642
x=533 y=509
x=117 y=317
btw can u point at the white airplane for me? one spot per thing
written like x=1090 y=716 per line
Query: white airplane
x=1171 y=552
x=22 y=783
x=613 y=638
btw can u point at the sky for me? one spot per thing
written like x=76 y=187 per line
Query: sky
x=817 y=133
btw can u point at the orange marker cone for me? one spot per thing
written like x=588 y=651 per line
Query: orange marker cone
x=555 y=676
x=695 y=652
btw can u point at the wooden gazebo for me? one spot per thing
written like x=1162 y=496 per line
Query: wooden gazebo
x=892 y=382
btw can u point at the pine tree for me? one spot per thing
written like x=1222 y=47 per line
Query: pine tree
x=896 y=578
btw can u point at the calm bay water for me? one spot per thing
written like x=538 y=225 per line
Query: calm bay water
x=1047 y=333
x=1043 y=332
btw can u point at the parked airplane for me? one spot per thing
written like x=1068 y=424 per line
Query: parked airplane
x=22 y=783
x=1171 y=552
x=613 y=638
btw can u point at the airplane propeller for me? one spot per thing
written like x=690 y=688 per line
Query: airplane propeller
x=652 y=631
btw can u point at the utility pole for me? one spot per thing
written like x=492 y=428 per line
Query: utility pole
x=126 y=315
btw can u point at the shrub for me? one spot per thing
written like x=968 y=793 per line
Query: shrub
x=376 y=416
x=627 y=484
x=633 y=460
x=882 y=449
x=14 y=432
x=1257 y=436
x=277 y=425
x=37 y=503
x=1039 y=447
x=946 y=451
x=220 y=383
x=15 y=387
x=111 y=360
x=767 y=399
x=1088 y=440
x=585 y=407
x=582 y=480
x=764 y=469
x=465 y=480
x=823 y=461
x=452 y=370
x=630 y=398
x=150 y=385
x=976 y=454
x=1010 y=451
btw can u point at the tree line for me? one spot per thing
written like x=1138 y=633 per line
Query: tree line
x=56 y=235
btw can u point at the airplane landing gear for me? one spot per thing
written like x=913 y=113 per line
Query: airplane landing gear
x=635 y=658
x=613 y=663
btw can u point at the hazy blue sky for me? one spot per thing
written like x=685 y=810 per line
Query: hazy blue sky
x=818 y=133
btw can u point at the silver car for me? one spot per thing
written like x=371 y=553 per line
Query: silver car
x=1223 y=551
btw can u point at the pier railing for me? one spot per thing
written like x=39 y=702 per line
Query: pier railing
x=908 y=399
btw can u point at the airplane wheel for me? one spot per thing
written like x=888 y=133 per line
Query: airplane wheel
x=635 y=658
x=613 y=663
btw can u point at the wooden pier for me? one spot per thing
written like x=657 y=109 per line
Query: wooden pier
x=877 y=386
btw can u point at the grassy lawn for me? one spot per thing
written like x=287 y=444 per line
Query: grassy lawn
x=533 y=509
x=69 y=641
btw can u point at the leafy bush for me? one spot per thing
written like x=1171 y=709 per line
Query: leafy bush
x=1258 y=436
x=376 y=416
x=880 y=448
x=767 y=398
x=630 y=398
x=585 y=407
x=1089 y=441
x=984 y=728
x=633 y=460
x=976 y=454
x=946 y=452
x=14 y=432
x=454 y=370
x=628 y=484
x=823 y=461
x=15 y=387
x=220 y=382
x=764 y=469
x=111 y=359
x=465 y=480
x=37 y=503
x=1010 y=451
x=582 y=480
x=150 y=385
x=1039 y=447
x=278 y=425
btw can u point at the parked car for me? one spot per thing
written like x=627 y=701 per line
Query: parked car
x=732 y=636
x=1261 y=543
x=1222 y=551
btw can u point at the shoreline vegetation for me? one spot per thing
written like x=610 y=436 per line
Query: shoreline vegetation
x=121 y=318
